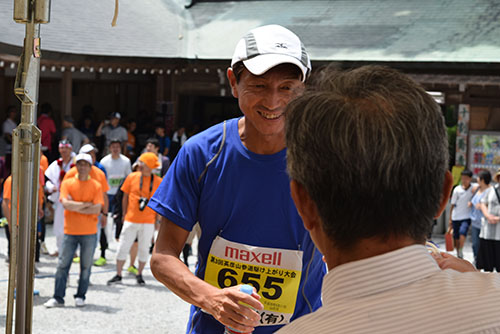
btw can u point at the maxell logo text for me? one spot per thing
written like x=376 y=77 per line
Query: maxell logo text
x=273 y=258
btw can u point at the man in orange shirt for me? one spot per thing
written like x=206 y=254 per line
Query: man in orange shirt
x=82 y=199
x=98 y=175
x=139 y=218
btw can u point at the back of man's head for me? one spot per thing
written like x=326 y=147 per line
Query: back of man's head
x=369 y=146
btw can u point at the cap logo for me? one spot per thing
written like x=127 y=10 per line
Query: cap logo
x=281 y=46
x=251 y=45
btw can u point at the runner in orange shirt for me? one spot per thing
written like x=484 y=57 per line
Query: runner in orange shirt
x=139 y=218
x=6 y=205
x=82 y=199
x=97 y=174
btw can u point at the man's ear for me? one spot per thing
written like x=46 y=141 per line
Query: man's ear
x=445 y=195
x=231 y=77
x=306 y=207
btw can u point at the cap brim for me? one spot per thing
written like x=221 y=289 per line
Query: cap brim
x=261 y=64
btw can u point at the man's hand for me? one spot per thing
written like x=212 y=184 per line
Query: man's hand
x=448 y=261
x=225 y=307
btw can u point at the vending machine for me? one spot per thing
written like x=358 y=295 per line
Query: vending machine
x=484 y=151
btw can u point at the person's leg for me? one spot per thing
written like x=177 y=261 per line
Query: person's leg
x=7 y=235
x=464 y=229
x=484 y=258
x=127 y=237
x=145 y=233
x=87 y=247
x=495 y=255
x=109 y=218
x=101 y=235
x=456 y=234
x=38 y=242
x=475 y=241
x=70 y=242
x=58 y=226
x=98 y=229
x=104 y=241
x=133 y=253
x=42 y=230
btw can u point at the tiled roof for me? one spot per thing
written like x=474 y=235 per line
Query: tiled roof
x=150 y=29
x=349 y=30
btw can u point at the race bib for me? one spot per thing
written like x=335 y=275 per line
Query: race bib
x=114 y=181
x=275 y=274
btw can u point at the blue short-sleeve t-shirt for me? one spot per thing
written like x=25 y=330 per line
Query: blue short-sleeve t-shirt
x=242 y=197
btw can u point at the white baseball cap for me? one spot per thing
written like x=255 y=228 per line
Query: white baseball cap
x=265 y=47
x=87 y=148
x=84 y=156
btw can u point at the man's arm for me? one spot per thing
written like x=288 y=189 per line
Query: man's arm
x=92 y=209
x=223 y=304
x=75 y=206
x=98 y=133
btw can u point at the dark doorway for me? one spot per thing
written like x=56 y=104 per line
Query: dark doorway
x=198 y=113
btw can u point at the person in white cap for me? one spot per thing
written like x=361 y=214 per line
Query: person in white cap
x=98 y=174
x=112 y=130
x=82 y=199
x=232 y=179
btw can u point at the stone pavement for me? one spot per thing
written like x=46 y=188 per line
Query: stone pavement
x=120 y=309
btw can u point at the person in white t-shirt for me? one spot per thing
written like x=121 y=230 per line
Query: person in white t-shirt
x=460 y=210
x=118 y=167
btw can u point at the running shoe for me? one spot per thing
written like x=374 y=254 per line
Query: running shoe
x=140 y=281
x=100 y=262
x=115 y=280
x=52 y=302
x=133 y=270
x=79 y=302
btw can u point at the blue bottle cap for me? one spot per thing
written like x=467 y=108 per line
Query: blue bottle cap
x=248 y=289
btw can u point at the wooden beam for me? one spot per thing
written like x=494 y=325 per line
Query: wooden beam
x=3 y=91
x=160 y=88
x=66 y=94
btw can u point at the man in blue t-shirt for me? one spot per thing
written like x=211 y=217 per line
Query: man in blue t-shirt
x=232 y=179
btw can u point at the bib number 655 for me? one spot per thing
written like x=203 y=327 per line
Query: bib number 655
x=270 y=290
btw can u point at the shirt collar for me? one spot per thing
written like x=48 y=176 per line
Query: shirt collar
x=379 y=273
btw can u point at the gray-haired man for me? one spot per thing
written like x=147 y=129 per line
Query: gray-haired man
x=367 y=154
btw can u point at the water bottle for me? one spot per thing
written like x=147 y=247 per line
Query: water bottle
x=248 y=289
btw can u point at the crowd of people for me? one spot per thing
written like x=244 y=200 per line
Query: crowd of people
x=87 y=194
x=297 y=199
x=476 y=205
